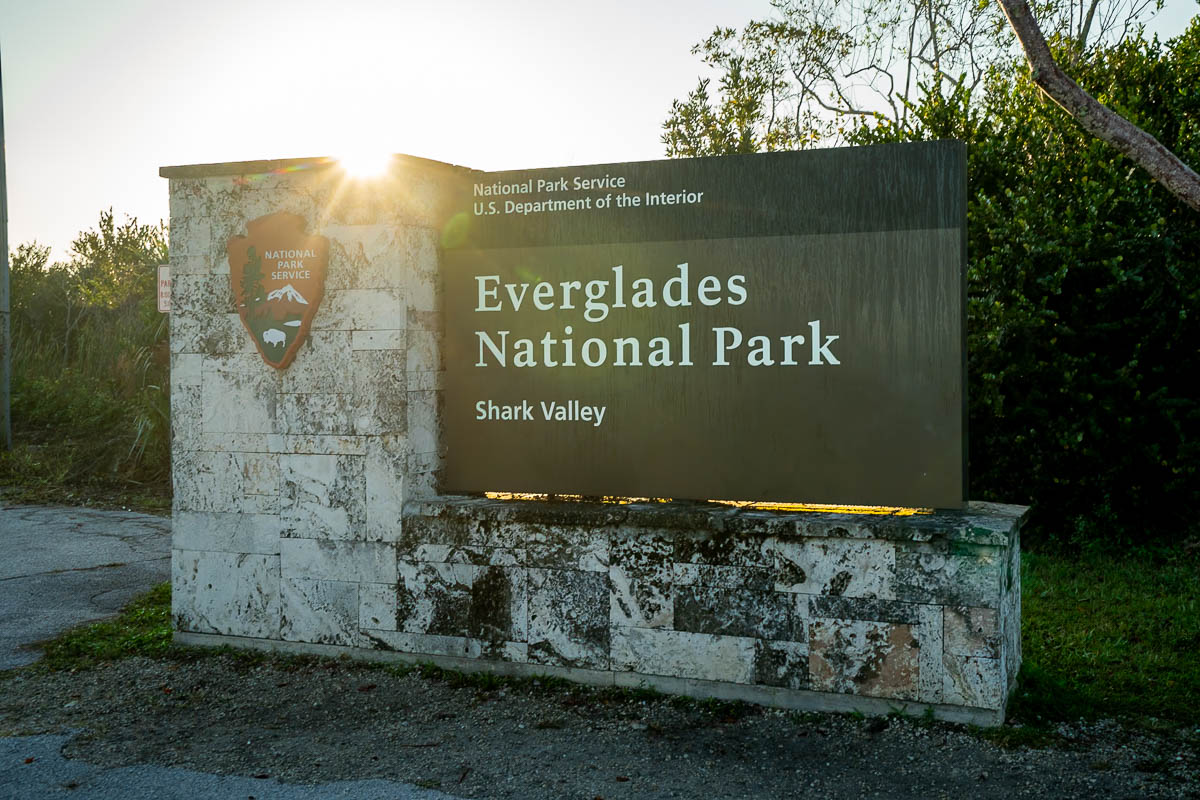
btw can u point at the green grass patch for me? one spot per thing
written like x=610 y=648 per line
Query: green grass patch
x=143 y=628
x=1108 y=636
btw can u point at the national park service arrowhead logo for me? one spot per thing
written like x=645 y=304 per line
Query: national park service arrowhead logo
x=278 y=275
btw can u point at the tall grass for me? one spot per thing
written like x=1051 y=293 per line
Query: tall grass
x=90 y=387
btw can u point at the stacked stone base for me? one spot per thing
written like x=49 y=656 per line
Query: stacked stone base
x=813 y=611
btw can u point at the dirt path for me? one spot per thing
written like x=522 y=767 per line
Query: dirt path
x=310 y=723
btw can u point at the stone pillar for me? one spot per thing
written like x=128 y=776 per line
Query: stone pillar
x=289 y=483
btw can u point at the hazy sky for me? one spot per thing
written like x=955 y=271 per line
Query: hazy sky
x=99 y=95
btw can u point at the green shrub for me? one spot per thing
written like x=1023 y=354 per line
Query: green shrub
x=1083 y=328
x=90 y=387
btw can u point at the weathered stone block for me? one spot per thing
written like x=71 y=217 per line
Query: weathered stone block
x=467 y=600
x=191 y=235
x=262 y=200
x=185 y=421
x=191 y=265
x=971 y=681
x=235 y=594
x=465 y=554
x=322 y=445
x=210 y=334
x=929 y=682
x=429 y=644
x=238 y=394
x=261 y=504
x=646 y=554
x=864 y=608
x=380 y=391
x=230 y=532
x=242 y=442
x=185 y=370
x=260 y=473
x=383 y=486
x=568 y=618
x=1010 y=611
x=752 y=578
x=876 y=659
x=319 y=414
x=183 y=207
x=377 y=606
x=322 y=496
x=555 y=547
x=428 y=321
x=417 y=252
x=332 y=560
x=783 y=664
x=203 y=317
x=378 y=340
x=701 y=656
x=321 y=612
x=972 y=632
x=207 y=481
x=724 y=550
x=842 y=567
x=422 y=351
x=451 y=646
x=423 y=426
x=972 y=578
x=380 y=309
x=641 y=602
x=321 y=365
x=420 y=483
x=364 y=256
x=640 y=579
x=735 y=612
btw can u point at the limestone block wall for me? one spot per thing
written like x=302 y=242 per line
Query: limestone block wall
x=289 y=484
x=809 y=610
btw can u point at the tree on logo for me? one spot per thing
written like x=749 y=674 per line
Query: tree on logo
x=252 y=288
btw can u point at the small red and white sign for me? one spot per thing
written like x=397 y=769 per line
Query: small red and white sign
x=164 y=288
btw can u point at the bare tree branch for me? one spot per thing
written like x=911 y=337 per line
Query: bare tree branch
x=1081 y=43
x=1103 y=123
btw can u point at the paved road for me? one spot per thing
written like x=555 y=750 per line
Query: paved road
x=49 y=775
x=65 y=566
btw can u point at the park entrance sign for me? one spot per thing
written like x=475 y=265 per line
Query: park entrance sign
x=780 y=327
x=785 y=327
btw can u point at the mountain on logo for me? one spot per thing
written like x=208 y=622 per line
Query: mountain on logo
x=287 y=293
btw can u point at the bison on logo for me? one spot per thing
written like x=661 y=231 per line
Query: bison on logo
x=278 y=275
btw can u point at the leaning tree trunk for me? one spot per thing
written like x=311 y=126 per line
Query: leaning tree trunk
x=1103 y=123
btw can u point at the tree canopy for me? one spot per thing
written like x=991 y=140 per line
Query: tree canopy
x=1082 y=290
x=817 y=69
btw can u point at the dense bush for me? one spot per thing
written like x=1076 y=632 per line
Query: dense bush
x=1084 y=276
x=90 y=388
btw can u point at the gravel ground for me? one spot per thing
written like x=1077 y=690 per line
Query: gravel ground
x=311 y=722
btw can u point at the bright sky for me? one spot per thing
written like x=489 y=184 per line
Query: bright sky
x=99 y=95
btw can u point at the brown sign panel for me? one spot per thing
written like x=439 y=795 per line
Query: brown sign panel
x=278 y=274
x=783 y=327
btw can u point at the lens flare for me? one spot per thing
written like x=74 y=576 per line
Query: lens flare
x=365 y=164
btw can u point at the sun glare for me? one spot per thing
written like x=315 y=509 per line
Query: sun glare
x=365 y=163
